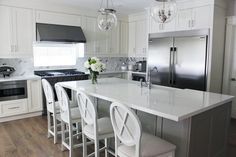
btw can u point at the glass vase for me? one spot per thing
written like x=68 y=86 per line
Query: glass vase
x=93 y=76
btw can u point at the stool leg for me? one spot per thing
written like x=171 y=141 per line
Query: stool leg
x=62 y=135
x=49 y=123
x=55 y=128
x=71 y=141
x=106 y=145
x=96 y=145
x=84 y=145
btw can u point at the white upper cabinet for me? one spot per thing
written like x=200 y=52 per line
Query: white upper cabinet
x=114 y=40
x=141 y=37
x=132 y=37
x=5 y=31
x=155 y=27
x=16 y=31
x=202 y=17
x=184 y=19
x=23 y=31
x=58 y=18
x=124 y=37
x=138 y=37
x=195 y=18
x=90 y=28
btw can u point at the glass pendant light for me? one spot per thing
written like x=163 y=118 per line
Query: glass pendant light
x=164 y=10
x=107 y=18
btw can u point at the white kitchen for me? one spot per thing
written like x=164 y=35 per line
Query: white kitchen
x=122 y=78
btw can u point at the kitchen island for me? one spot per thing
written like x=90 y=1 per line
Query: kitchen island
x=196 y=122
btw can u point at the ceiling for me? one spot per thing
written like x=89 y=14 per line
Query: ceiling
x=122 y=6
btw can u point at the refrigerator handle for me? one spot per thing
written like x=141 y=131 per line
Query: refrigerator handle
x=170 y=66
x=173 y=65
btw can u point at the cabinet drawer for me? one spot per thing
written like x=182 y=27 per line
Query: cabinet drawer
x=11 y=108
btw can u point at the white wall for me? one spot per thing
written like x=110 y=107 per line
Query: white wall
x=231 y=8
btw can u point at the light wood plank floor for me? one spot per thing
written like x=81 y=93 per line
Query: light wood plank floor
x=28 y=138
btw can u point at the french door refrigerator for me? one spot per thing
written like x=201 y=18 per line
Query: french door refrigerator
x=179 y=59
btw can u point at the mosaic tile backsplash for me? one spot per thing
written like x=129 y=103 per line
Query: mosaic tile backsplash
x=25 y=66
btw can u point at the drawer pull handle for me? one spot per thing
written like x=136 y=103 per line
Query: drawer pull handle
x=12 y=108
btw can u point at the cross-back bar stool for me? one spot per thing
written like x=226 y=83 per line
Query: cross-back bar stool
x=130 y=141
x=69 y=116
x=93 y=128
x=53 y=113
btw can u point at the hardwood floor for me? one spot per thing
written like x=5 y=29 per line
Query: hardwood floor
x=28 y=138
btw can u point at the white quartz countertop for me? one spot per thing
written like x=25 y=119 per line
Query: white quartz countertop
x=170 y=103
x=19 y=78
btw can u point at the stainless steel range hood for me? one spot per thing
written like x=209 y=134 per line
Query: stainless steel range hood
x=59 y=33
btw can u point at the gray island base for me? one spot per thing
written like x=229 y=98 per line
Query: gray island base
x=203 y=135
x=196 y=122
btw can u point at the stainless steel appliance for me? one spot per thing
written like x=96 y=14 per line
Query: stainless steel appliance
x=141 y=66
x=13 y=90
x=59 y=33
x=179 y=59
x=54 y=76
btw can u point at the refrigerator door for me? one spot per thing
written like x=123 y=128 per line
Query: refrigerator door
x=159 y=58
x=190 y=62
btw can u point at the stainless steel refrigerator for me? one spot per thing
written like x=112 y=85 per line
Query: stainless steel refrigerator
x=179 y=59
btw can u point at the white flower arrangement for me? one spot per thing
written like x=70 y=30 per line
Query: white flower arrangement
x=95 y=66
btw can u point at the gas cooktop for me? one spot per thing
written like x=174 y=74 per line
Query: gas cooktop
x=58 y=73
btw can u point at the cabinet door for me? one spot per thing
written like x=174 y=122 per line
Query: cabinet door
x=35 y=95
x=124 y=37
x=90 y=30
x=202 y=17
x=156 y=27
x=132 y=36
x=114 y=40
x=102 y=41
x=141 y=37
x=58 y=18
x=23 y=31
x=184 y=19
x=5 y=31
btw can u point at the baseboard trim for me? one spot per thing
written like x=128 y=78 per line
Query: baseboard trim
x=23 y=116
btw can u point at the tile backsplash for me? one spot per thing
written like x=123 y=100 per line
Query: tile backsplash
x=25 y=66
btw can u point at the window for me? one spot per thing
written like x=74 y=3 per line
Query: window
x=48 y=54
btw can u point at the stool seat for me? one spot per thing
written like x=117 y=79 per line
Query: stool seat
x=104 y=127
x=150 y=146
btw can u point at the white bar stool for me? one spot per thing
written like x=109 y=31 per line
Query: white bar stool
x=93 y=128
x=69 y=116
x=129 y=139
x=52 y=110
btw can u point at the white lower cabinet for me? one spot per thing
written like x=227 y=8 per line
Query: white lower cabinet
x=14 y=107
x=21 y=108
x=34 y=95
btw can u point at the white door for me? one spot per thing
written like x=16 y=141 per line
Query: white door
x=184 y=19
x=202 y=17
x=132 y=36
x=23 y=31
x=229 y=77
x=233 y=73
x=5 y=31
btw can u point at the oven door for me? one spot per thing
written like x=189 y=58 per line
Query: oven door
x=13 y=90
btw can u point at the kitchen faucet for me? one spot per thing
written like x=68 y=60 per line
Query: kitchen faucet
x=148 y=83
